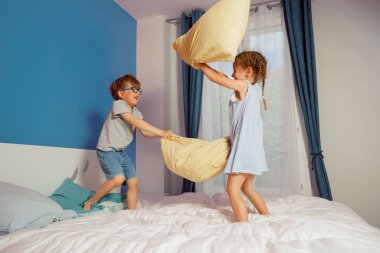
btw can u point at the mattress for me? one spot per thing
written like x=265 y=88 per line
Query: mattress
x=196 y=222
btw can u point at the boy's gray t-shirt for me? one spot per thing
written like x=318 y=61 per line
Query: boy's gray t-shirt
x=117 y=133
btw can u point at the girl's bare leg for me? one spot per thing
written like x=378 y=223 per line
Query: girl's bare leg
x=234 y=184
x=105 y=188
x=254 y=196
x=132 y=193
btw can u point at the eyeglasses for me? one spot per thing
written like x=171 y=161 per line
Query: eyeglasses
x=134 y=89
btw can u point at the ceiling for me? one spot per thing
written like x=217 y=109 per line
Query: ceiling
x=142 y=9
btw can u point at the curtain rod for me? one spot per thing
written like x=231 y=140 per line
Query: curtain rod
x=252 y=8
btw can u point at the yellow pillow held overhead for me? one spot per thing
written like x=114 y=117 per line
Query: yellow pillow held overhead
x=217 y=35
x=195 y=159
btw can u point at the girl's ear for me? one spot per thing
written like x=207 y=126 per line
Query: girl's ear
x=249 y=72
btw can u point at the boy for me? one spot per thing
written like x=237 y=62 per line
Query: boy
x=116 y=135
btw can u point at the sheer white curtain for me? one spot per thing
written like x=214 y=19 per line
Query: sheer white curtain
x=266 y=34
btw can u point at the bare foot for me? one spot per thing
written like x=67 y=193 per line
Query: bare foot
x=87 y=205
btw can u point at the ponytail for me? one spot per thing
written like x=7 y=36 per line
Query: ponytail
x=264 y=100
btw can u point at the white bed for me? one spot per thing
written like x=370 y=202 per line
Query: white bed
x=195 y=222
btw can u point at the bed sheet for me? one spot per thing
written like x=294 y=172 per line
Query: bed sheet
x=195 y=222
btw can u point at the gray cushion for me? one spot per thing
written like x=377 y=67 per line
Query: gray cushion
x=21 y=207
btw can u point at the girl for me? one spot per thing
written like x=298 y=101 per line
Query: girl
x=247 y=157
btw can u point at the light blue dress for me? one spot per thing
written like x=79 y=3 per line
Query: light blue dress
x=246 y=133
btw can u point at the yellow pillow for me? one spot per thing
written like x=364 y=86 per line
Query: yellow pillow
x=195 y=159
x=217 y=35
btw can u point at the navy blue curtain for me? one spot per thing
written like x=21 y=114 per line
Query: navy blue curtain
x=192 y=92
x=299 y=26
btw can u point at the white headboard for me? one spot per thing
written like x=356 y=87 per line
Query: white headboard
x=44 y=168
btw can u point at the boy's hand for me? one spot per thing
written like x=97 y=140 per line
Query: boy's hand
x=167 y=134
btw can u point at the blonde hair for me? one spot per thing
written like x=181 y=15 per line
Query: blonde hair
x=258 y=63
x=123 y=82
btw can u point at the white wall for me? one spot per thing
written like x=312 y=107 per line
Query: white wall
x=150 y=70
x=174 y=117
x=160 y=104
x=347 y=43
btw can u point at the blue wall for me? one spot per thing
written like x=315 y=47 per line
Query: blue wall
x=57 y=59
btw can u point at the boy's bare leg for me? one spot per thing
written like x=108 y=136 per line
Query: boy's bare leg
x=234 y=184
x=105 y=188
x=132 y=193
x=254 y=196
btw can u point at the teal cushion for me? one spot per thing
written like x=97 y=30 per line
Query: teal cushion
x=73 y=191
x=71 y=196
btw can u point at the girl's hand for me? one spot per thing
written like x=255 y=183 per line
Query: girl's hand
x=227 y=138
x=166 y=134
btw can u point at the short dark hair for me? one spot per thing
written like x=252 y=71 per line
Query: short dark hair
x=123 y=82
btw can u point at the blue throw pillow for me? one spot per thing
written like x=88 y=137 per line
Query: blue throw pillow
x=73 y=191
x=21 y=207
x=71 y=196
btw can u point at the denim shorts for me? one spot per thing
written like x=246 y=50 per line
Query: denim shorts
x=116 y=163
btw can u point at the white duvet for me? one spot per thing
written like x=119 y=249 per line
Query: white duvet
x=194 y=222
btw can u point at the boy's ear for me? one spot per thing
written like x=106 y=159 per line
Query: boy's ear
x=120 y=94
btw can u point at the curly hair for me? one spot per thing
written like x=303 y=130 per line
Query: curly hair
x=123 y=82
x=258 y=63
